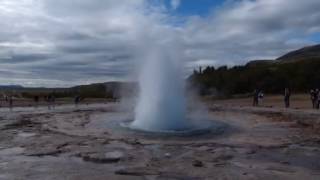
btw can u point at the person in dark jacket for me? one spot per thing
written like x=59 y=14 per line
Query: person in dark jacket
x=77 y=99
x=10 y=99
x=255 y=97
x=317 y=98
x=36 y=101
x=287 y=95
x=313 y=98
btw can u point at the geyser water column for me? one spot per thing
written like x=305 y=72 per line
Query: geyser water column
x=161 y=105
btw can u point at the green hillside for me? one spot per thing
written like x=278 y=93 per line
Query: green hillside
x=298 y=70
x=306 y=53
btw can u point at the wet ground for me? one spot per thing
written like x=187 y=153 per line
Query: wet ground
x=87 y=143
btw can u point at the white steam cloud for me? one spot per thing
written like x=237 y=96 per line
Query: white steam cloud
x=161 y=105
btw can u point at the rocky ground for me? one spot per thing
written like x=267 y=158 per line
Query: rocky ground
x=87 y=143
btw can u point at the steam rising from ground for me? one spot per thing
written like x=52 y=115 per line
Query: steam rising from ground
x=161 y=105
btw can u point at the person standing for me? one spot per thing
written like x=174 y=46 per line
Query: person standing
x=76 y=100
x=287 y=95
x=36 y=101
x=48 y=99
x=255 y=97
x=53 y=101
x=1 y=100
x=313 y=98
x=317 y=98
x=260 y=97
x=10 y=102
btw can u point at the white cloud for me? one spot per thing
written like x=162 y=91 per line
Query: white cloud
x=59 y=42
x=245 y=29
x=175 y=4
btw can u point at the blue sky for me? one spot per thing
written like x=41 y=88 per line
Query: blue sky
x=315 y=37
x=195 y=7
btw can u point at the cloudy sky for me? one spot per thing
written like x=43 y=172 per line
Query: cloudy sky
x=69 y=42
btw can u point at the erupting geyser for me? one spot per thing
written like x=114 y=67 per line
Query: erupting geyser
x=161 y=105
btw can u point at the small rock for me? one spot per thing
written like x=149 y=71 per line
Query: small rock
x=197 y=163
x=19 y=124
x=50 y=151
x=11 y=151
x=204 y=148
x=133 y=141
x=294 y=146
x=137 y=171
x=26 y=134
x=222 y=157
x=280 y=169
x=286 y=151
x=167 y=155
x=284 y=162
x=114 y=155
x=176 y=176
x=251 y=151
x=219 y=164
x=109 y=157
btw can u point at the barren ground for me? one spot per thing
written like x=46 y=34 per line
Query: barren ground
x=86 y=143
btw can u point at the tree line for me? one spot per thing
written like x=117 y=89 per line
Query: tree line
x=271 y=77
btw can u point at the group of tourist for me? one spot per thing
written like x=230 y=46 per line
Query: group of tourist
x=50 y=100
x=8 y=99
x=314 y=94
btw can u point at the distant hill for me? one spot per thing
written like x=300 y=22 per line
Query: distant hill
x=112 y=90
x=306 y=53
x=10 y=87
x=254 y=63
